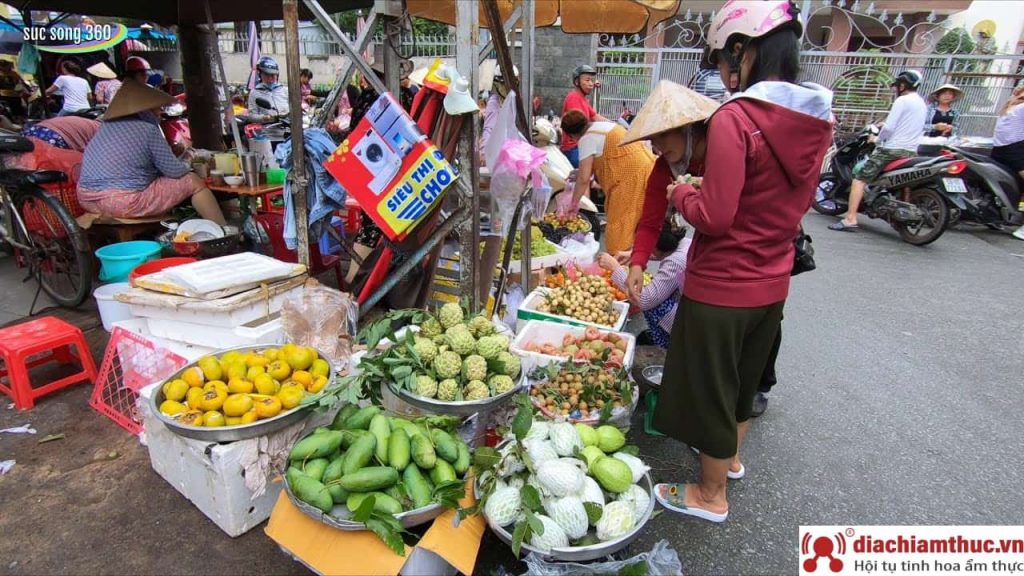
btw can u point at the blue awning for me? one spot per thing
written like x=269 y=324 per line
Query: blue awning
x=140 y=34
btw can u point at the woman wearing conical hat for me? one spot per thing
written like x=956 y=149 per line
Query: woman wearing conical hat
x=942 y=118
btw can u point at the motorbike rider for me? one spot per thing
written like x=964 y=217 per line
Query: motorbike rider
x=584 y=80
x=270 y=90
x=136 y=69
x=897 y=139
x=1008 y=138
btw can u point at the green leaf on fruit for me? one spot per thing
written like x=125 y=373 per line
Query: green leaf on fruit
x=365 y=510
x=518 y=535
x=630 y=449
x=594 y=512
x=484 y=459
x=531 y=498
x=387 y=532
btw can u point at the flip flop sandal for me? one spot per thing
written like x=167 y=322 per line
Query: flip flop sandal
x=671 y=497
x=729 y=473
x=841 y=226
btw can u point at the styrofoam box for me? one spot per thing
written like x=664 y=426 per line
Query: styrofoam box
x=263 y=331
x=540 y=262
x=187 y=351
x=528 y=311
x=542 y=332
x=226 y=318
x=209 y=474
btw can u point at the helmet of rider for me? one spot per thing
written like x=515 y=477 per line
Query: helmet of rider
x=268 y=65
x=738 y=20
x=500 y=77
x=581 y=70
x=136 y=64
x=910 y=78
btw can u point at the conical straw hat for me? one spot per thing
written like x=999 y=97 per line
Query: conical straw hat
x=670 y=106
x=132 y=98
x=956 y=91
x=101 y=70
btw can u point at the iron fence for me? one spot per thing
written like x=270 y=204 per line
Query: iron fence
x=317 y=43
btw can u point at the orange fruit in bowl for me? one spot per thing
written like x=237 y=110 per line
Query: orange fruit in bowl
x=232 y=420
x=279 y=370
x=270 y=354
x=212 y=400
x=193 y=376
x=300 y=358
x=190 y=418
x=237 y=404
x=267 y=407
x=239 y=386
x=211 y=368
x=216 y=385
x=254 y=371
x=265 y=384
x=172 y=407
x=303 y=378
x=320 y=367
x=290 y=396
x=318 y=384
x=236 y=369
x=175 y=390
x=193 y=396
x=249 y=417
x=213 y=419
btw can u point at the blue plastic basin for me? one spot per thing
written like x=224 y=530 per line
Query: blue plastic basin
x=118 y=260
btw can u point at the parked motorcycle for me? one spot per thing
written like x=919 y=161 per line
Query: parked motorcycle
x=910 y=193
x=175 y=126
x=991 y=194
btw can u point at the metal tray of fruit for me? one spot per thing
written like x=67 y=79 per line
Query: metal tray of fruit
x=232 y=433
x=339 y=515
x=584 y=553
x=464 y=408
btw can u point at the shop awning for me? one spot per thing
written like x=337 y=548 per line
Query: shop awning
x=184 y=11
x=577 y=16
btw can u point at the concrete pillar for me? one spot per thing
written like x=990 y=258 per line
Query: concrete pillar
x=197 y=58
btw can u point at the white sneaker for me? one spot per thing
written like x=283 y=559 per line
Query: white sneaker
x=1019 y=233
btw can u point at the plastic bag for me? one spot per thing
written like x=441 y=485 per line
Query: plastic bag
x=516 y=162
x=583 y=252
x=661 y=560
x=323 y=318
x=514 y=297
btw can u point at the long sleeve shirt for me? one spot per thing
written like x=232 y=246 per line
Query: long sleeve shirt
x=128 y=154
x=930 y=120
x=1009 y=127
x=276 y=95
x=905 y=123
x=667 y=283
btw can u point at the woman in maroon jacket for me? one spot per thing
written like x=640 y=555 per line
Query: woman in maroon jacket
x=764 y=150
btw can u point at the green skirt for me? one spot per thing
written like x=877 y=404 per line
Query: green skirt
x=712 y=369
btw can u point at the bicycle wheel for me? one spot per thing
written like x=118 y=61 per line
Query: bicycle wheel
x=59 y=256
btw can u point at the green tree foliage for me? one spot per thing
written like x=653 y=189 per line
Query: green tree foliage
x=420 y=26
x=956 y=41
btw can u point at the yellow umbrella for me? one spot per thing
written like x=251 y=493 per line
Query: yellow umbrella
x=577 y=16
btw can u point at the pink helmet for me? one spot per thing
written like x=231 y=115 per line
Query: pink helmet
x=136 y=64
x=750 y=18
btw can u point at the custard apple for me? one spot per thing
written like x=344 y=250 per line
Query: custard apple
x=460 y=340
x=440 y=341
x=533 y=481
x=503 y=506
x=592 y=491
x=450 y=315
x=481 y=326
x=638 y=498
x=431 y=328
x=516 y=482
x=553 y=536
x=636 y=465
x=510 y=462
x=476 y=390
x=425 y=349
x=539 y=450
x=490 y=346
x=617 y=519
x=426 y=386
x=474 y=368
x=561 y=477
x=509 y=364
x=570 y=515
x=448 y=390
x=501 y=383
x=564 y=438
x=448 y=364
x=538 y=430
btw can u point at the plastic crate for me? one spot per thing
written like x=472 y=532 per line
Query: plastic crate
x=543 y=332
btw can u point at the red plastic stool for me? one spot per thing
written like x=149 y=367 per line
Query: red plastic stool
x=39 y=341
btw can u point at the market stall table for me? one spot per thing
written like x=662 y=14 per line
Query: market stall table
x=265 y=192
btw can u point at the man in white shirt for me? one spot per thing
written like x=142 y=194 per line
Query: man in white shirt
x=898 y=139
x=269 y=89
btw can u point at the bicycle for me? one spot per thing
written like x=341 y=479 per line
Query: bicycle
x=45 y=237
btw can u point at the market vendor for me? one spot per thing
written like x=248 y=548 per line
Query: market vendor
x=621 y=168
x=659 y=299
x=942 y=119
x=129 y=170
x=67 y=132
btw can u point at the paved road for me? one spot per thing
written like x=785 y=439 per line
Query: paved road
x=899 y=402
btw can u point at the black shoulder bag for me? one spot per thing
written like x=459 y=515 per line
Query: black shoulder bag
x=803 y=256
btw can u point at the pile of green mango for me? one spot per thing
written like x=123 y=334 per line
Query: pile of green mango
x=366 y=452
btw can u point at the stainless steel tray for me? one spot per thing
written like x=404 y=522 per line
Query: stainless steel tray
x=465 y=408
x=233 y=433
x=585 y=553
x=339 y=515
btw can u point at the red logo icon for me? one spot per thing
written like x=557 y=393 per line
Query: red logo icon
x=823 y=547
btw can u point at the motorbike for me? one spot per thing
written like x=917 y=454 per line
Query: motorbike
x=990 y=193
x=277 y=130
x=174 y=124
x=909 y=193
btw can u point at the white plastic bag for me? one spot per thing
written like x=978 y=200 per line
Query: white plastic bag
x=583 y=252
x=661 y=560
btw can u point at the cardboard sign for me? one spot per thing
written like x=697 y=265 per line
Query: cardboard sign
x=391 y=168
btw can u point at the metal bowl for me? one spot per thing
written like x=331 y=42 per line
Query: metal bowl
x=585 y=553
x=652 y=376
x=233 y=433
x=465 y=408
x=339 y=515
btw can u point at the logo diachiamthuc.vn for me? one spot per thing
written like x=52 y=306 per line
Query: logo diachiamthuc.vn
x=823 y=548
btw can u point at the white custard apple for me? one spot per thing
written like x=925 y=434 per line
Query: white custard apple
x=490 y=346
x=425 y=349
x=510 y=463
x=448 y=390
x=539 y=450
x=516 y=482
x=553 y=536
x=476 y=390
x=426 y=386
x=481 y=326
x=431 y=328
x=447 y=365
x=503 y=506
x=538 y=430
x=450 y=315
x=636 y=465
x=591 y=491
x=460 y=340
x=510 y=364
x=501 y=383
x=564 y=438
x=474 y=368
x=560 y=477
x=638 y=498
x=616 y=521
x=568 y=512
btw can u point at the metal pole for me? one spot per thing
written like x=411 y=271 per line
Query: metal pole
x=526 y=87
x=392 y=42
x=299 y=183
x=467 y=18
x=505 y=62
x=229 y=109
x=488 y=44
x=327 y=112
x=332 y=28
